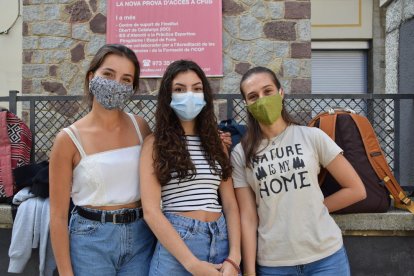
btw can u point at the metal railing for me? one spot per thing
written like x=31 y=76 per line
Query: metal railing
x=47 y=115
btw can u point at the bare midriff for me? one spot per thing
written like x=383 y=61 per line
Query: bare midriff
x=131 y=205
x=200 y=215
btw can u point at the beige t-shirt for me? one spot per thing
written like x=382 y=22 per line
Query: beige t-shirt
x=294 y=225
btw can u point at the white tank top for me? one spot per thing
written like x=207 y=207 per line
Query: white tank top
x=106 y=178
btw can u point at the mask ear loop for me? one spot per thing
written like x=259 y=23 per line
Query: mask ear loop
x=91 y=75
x=281 y=92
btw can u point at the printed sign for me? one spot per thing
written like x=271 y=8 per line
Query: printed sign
x=162 y=31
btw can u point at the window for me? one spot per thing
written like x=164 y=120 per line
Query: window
x=339 y=71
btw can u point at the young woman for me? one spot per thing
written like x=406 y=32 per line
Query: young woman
x=284 y=216
x=95 y=161
x=184 y=166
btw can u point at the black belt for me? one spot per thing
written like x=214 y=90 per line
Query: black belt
x=126 y=217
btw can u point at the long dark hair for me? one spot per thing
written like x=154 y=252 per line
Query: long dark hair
x=98 y=59
x=170 y=148
x=254 y=135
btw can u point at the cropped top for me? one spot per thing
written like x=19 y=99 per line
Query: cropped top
x=199 y=191
x=106 y=178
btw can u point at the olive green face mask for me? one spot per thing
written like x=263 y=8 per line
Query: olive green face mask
x=267 y=109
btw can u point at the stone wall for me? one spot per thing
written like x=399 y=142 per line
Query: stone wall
x=398 y=77
x=377 y=83
x=59 y=39
x=275 y=34
x=397 y=12
x=61 y=36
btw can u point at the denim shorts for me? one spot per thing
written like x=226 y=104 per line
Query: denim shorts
x=206 y=240
x=99 y=248
x=334 y=265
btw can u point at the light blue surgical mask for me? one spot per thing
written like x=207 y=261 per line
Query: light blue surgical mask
x=187 y=105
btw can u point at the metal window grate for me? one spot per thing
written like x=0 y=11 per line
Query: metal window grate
x=47 y=115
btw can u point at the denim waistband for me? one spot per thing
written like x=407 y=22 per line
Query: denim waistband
x=117 y=211
x=218 y=226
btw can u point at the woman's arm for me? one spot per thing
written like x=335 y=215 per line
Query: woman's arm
x=231 y=212
x=60 y=179
x=353 y=189
x=249 y=221
x=161 y=227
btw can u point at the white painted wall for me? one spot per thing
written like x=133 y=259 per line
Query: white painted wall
x=341 y=19
x=10 y=47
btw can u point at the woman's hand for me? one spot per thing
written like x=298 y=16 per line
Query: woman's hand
x=202 y=268
x=228 y=269
x=225 y=138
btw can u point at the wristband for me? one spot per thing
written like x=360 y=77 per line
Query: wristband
x=249 y=274
x=233 y=264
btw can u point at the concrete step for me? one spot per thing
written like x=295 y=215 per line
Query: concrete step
x=6 y=220
x=395 y=222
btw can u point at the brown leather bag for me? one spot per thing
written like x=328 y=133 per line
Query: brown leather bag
x=355 y=135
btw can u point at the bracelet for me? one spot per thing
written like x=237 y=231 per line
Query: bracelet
x=250 y=274
x=233 y=264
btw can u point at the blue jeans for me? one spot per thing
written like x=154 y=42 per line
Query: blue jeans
x=206 y=240
x=334 y=265
x=99 y=248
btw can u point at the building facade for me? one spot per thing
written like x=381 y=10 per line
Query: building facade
x=52 y=42
x=317 y=46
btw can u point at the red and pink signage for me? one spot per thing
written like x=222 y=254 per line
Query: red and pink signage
x=161 y=31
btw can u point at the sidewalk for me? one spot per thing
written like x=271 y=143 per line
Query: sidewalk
x=32 y=266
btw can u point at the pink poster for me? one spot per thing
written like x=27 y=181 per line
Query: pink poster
x=161 y=31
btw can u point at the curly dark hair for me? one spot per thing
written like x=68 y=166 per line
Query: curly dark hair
x=170 y=148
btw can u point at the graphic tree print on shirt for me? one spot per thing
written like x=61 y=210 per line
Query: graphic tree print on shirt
x=280 y=169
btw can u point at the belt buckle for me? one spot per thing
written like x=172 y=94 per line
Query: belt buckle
x=114 y=219
x=127 y=218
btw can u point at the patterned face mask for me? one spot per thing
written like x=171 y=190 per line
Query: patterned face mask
x=267 y=110
x=109 y=93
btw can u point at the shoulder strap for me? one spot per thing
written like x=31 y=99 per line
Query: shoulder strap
x=134 y=121
x=379 y=163
x=76 y=132
x=75 y=140
x=312 y=122
x=327 y=123
x=5 y=156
